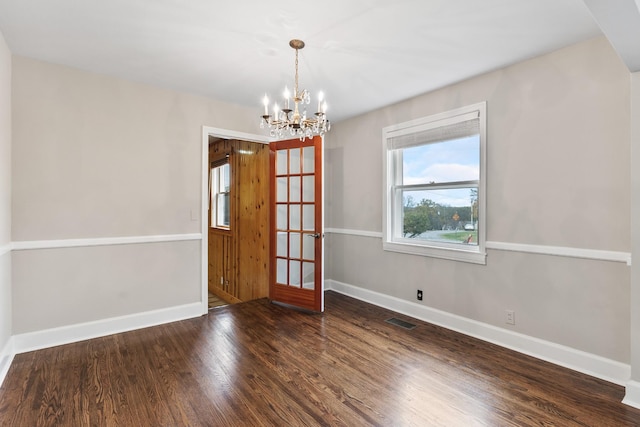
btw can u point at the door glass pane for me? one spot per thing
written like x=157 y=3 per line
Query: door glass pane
x=281 y=244
x=308 y=273
x=294 y=189
x=308 y=217
x=294 y=273
x=309 y=190
x=308 y=247
x=294 y=160
x=294 y=218
x=308 y=159
x=281 y=189
x=294 y=245
x=281 y=274
x=281 y=217
x=281 y=162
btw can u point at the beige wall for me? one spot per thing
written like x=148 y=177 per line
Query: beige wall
x=635 y=228
x=5 y=197
x=558 y=174
x=95 y=156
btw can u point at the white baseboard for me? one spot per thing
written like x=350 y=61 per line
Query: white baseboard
x=632 y=394
x=577 y=360
x=6 y=357
x=30 y=341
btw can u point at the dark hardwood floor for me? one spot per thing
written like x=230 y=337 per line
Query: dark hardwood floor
x=260 y=364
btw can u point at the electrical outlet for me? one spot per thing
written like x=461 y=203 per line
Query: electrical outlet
x=419 y=296
x=511 y=317
x=221 y=280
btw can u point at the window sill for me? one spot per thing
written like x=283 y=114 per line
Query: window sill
x=220 y=230
x=472 y=256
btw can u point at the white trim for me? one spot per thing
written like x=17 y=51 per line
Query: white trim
x=73 y=333
x=5 y=249
x=362 y=233
x=231 y=134
x=590 y=364
x=632 y=394
x=6 y=358
x=442 y=252
x=204 y=198
x=101 y=241
x=593 y=254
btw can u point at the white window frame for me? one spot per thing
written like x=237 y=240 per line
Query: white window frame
x=392 y=239
x=217 y=193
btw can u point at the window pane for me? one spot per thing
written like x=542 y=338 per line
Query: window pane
x=308 y=162
x=308 y=273
x=308 y=188
x=281 y=271
x=224 y=178
x=294 y=160
x=294 y=245
x=223 y=210
x=294 y=273
x=281 y=189
x=294 y=189
x=450 y=161
x=281 y=217
x=294 y=217
x=308 y=217
x=281 y=162
x=282 y=244
x=448 y=216
x=308 y=247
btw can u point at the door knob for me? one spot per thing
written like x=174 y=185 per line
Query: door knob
x=316 y=235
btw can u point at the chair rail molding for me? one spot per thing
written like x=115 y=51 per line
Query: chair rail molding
x=592 y=254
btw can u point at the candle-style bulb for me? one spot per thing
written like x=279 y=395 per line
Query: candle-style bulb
x=265 y=101
x=320 y=98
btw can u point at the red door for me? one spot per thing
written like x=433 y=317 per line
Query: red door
x=296 y=223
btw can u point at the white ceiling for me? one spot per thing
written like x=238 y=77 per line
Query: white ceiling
x=363 y=54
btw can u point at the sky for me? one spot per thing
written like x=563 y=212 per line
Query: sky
x=450 y=161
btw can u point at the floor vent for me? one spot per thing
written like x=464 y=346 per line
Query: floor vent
x=401 y=323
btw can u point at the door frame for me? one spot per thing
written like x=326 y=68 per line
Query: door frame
x=208 y=131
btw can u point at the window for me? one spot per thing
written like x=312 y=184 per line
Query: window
x=434 y=173
x=220 y=200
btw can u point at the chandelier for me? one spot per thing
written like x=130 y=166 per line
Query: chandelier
x=287 y=122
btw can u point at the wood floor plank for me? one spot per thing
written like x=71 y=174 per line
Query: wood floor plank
x=260 y=364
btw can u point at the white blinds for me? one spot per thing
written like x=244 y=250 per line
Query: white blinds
x=440 y=130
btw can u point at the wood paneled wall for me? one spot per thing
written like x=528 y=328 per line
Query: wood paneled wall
x=240 y=255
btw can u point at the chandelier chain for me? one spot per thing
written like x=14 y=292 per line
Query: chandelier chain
x=295 y=89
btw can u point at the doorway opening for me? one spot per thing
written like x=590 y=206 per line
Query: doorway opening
x=228 y=238
x=243 y=229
